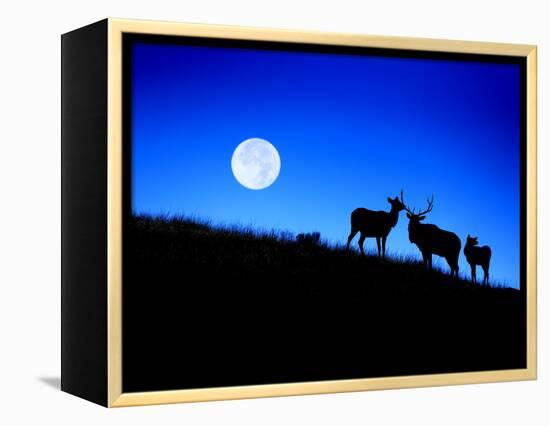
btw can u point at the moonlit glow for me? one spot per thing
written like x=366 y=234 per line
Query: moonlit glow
x=256 y=163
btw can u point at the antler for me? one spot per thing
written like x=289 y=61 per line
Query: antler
x=406 y=207
x=412 y=212
x=430 y=206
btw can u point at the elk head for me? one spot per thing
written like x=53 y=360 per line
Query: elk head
x=414 y=217
x=397 y=204
x=471 y=241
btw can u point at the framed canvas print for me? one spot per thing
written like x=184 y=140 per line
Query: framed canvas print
x=251 y=212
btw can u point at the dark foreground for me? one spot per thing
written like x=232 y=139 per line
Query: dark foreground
x=205 y=307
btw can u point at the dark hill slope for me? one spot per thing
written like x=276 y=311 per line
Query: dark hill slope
x=216 y=307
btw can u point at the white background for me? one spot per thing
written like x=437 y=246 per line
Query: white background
x=30 y=211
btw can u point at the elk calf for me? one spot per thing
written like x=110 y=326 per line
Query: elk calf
x=476 y=255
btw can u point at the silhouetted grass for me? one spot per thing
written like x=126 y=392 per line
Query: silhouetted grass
x=237 y=251
x=207 y=303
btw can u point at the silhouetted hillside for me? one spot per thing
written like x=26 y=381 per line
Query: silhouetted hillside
x=235 y=307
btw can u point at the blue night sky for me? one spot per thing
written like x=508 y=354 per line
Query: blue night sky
x=350 y=130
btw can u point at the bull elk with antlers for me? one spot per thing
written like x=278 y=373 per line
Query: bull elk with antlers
x=430 y=239
x=375 y=224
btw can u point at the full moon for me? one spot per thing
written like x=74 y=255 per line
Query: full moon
x=256 y=163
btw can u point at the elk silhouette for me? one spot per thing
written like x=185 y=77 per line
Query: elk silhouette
x=476 y=255
x=430 y=239
x=375 y=224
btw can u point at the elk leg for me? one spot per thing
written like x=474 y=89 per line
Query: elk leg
x=486 y=275
x=361 y=241
x=427 y=257
x=384 y=246
x=454 y=267
x=352 y=234
x=378 y=245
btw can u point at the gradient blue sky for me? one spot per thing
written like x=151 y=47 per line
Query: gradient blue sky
x=350 y=130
